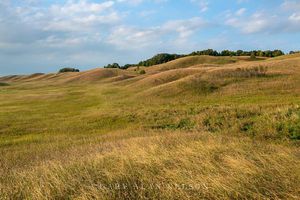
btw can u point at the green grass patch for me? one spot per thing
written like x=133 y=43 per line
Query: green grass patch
x=182 y=124
x=3 y=84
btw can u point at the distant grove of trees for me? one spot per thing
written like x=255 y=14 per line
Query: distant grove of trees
x=68 y=69
x=116 y=65
x=260 y=53
x=160 y=58
x=165 y=57
x=294 y=52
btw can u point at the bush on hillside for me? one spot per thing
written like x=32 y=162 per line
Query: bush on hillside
x=4 y=84
x=114 y=65
x=258 y=71
x=253 y=56
x=294 y=52
x=68 y=69
x=281 y=123
x=126 y=66
x=142 y=72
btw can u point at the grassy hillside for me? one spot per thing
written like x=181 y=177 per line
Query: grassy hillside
x=195 y=128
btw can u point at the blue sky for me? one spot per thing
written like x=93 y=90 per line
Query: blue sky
x=45 y=35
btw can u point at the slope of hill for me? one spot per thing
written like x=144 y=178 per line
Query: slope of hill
x=197 y=127
x=194 y=61
x=86 y=76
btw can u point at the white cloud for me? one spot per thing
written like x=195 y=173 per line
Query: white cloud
x=59 y=20
x=80 y=22
x=178 y=31
x=254 y=24
x=291 y=5
x=264 y=22
x=292 y=8
x=133 y=38
x=133 y=2
x=295 y=17
x=203 y=4
x=240 y=11
x=184 y=28
x=76 y=16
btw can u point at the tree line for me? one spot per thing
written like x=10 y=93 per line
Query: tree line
x=260 y=53
x=165 y=57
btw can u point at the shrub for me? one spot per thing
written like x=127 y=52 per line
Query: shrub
x=182 y=124
x=142 y=72
x=68 y=69
x=126 y=66
x=266 y=124
x=201 y=86
x=4 y=84
x=256 y=71
x=294 y=52
x=253 y=56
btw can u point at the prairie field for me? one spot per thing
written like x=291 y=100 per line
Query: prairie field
x=198 y=127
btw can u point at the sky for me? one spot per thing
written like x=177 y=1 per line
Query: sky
x=46 y=35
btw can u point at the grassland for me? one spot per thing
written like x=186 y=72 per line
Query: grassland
x=195 y=128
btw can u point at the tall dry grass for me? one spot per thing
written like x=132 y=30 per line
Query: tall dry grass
x=165 y=165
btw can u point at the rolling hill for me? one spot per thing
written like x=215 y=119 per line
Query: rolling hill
x=198 y=127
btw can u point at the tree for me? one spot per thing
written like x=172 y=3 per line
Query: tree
x=294 y=52
x=261 y=54
x=277 y=53
x=239 y=52
x=268 y=53
x=225 y=53
x=115 y=65
x=126 y=66
x=232 y=53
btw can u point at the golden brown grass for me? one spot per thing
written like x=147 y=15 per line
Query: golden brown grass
x=166 y=166
x=199 y=128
